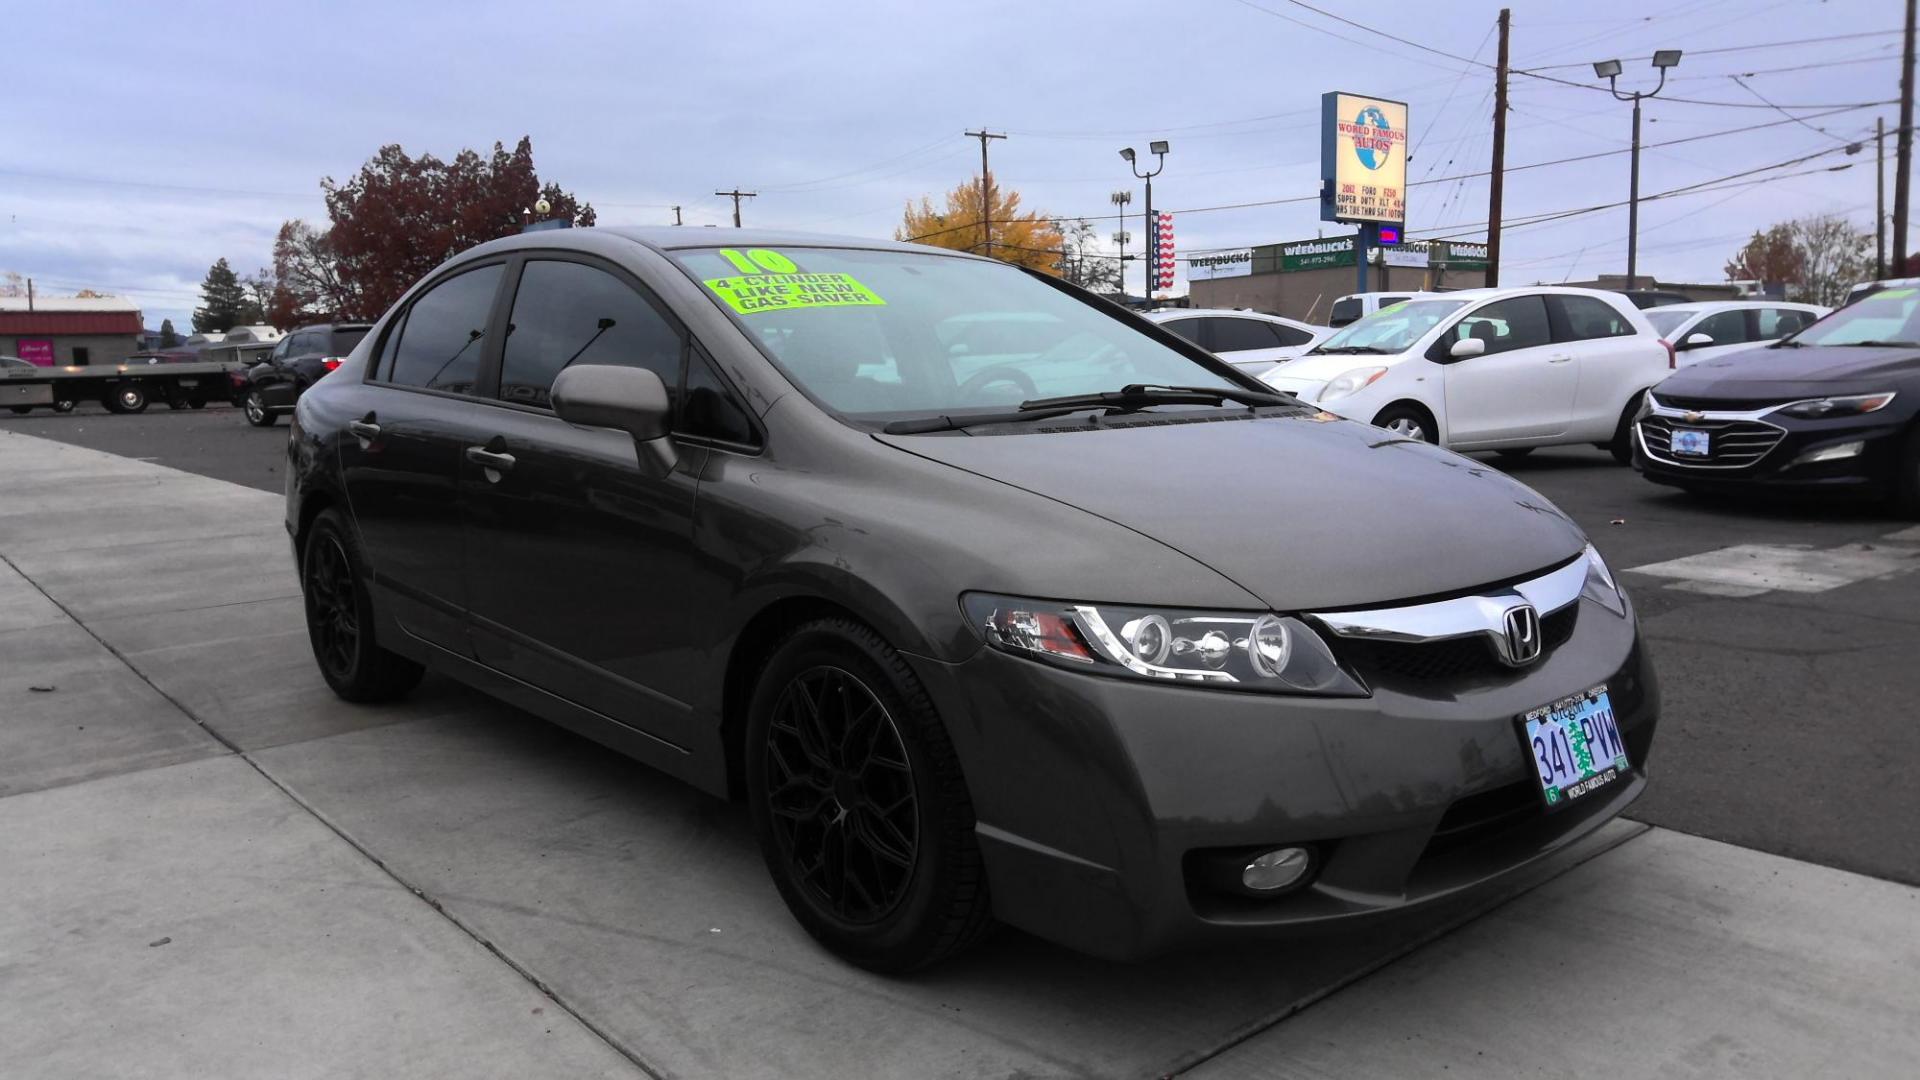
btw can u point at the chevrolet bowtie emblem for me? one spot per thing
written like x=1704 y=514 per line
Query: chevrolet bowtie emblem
x=1694 y=417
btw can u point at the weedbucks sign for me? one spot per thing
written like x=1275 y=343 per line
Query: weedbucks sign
x=1314 y=254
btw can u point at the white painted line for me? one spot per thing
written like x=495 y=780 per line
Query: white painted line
x=1797 y=568
x=1905 y=536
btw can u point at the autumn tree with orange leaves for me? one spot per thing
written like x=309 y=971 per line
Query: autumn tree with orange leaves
x=1026 y=239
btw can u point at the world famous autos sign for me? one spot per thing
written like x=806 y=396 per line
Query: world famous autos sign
x=1363 y=158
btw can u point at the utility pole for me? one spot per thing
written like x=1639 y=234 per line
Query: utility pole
x=1903 y=152
x=1879 y=198
x=986 y=190
x=737 y=195
x=1121 y=200
x=1496 y=181
x=676 y=215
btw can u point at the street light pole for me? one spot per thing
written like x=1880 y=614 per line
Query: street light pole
x=1158 y=148
x=1663 y=59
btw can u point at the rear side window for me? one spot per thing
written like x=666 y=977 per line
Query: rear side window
x=567 y=313
x=445 y=333
x=1289 y=335
x=1725 y=328
x=1518 y=322
x=1239 y=335
x=1585 y=318
x=1779 y=322
x=1186 y=328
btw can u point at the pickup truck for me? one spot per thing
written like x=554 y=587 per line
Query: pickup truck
x=180 y=380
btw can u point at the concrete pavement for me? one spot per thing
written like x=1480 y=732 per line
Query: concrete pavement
x=449 y=887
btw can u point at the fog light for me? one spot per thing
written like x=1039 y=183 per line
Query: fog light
x=1831 y=453
x=1275 y=869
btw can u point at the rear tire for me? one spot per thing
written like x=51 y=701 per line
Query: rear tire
x=22 y=410
x=128 y=398
x=256 y=409
x=857 y=798
x=197 y=403
x=340 y=617
x=1622 y=445
x=64 y=405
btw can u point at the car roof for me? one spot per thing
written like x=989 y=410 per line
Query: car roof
x=668 y=238
x=1733 y=305
x=1163 y=314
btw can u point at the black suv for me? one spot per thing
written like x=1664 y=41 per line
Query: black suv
x=301 y=359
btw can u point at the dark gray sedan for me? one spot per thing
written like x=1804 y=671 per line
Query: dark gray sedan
x=1086 y=632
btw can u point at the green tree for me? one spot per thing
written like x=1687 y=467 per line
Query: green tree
x=168 y=336
x=223 y=300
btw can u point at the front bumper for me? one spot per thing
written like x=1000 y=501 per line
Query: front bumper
x=1783 y=466
x=1099 y=798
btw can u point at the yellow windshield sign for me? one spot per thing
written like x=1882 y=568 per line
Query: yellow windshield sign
x=750 y=294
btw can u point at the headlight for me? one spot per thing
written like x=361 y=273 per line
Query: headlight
x=1600 y=587
x=1225 y=650
x=1824 y=408
x=1351 y=382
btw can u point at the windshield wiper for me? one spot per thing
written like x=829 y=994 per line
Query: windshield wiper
x=1140 y=396
x=1879 y=344
x=1348 y=349
x=925 y=424
x=1788 y=343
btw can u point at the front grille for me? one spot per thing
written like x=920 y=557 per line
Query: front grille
x=1719 y=404
x=1731 y=444
x=1451 y=658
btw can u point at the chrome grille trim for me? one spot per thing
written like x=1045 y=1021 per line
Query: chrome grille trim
x=1462 y=616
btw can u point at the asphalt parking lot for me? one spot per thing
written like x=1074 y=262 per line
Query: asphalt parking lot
x=220 y=869
x=1781 y=640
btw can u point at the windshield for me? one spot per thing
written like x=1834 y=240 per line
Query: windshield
x=1665 y=320
x=1392 y=329
x=1891 y=316
x=881 y=335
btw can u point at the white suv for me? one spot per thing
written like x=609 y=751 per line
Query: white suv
x=1491 y=369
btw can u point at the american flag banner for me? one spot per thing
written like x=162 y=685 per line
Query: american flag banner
x=1160 y=243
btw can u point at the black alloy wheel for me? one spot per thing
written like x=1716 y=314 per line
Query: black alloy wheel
x=861 y=810
x=841 y=794
x=340 y=618
x=333 y=618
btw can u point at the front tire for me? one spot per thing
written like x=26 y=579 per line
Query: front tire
x=128 y=398
x=1407 y=422
x=862 y=814
x=340 y=617
x=1622 y=445
x=256 y=409
x=1906 y=481
x=64 y=405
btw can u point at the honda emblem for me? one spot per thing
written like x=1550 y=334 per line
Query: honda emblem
x=1520 y=637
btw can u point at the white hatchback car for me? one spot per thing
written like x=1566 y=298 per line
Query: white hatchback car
x=1702 y=331
x=1250 y=340
x=1491 y=369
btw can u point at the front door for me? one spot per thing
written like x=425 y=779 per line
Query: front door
x=582 y=577
x=1520 y=390
x=401 y=461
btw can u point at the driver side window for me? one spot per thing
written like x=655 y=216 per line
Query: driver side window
x=1518 y=322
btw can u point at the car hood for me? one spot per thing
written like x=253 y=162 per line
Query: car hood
x=1813 y=371
x=1327 y=366
x=1305 y=511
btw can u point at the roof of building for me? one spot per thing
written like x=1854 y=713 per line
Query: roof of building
x=54 y=316
x=89 y=304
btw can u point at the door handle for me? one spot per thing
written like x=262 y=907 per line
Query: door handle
x=1559 y=359
x=364 y=429
x=497 y=463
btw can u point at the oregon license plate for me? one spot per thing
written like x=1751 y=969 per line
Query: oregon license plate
x=1575 y=745
x=1690 y=443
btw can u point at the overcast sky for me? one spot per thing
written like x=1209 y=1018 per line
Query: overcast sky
x=139 y=142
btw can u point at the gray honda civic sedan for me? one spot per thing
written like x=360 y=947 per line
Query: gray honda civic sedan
x=994 y=602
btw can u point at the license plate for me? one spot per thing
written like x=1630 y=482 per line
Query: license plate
x=1575 y=745
x=1691 y=443
x=189 y=382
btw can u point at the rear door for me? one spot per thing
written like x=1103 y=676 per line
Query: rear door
x=1520 y=390
x=1615 y=360
x=581 y=571
x=412 y=418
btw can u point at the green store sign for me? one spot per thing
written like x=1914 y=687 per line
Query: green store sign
x=1314 y=254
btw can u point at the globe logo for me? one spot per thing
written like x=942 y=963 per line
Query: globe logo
x=1373 y=153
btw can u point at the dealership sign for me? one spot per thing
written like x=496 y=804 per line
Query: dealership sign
x=1220 y=264
x=1468 y=255
x=1363 y=158
x=1160 y=245
x=1313 y=254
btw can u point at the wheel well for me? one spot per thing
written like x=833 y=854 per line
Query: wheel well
x=751 y=648
x=1409 y=403
x=311 y=506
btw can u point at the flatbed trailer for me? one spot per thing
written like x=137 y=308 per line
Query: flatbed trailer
x=122 y=388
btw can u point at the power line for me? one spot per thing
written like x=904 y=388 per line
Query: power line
x=1739 y=48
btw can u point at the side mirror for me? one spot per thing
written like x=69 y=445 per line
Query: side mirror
x=628 y=399
x=1697 y=341
x=1467 y=348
